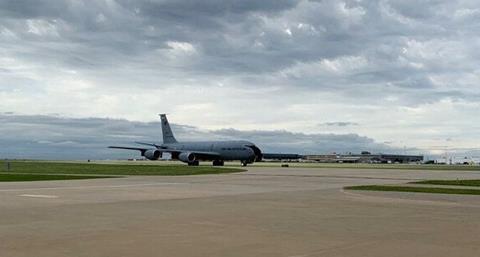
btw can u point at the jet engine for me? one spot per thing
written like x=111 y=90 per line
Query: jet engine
x=187 y=157
x=152 y=154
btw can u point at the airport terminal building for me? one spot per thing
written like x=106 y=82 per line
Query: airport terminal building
x=365 y=157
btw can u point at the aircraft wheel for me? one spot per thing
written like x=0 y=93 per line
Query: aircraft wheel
x=194 y=163
x=244 y=163
x=218 y=163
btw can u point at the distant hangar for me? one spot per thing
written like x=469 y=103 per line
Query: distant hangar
x=364 y=157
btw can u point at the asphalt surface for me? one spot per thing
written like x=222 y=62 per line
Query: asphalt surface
x=262 y=212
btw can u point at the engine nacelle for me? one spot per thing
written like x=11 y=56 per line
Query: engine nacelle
x=187 y=157
x=152 y=154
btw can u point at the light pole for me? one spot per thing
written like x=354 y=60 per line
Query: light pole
x=7 y=166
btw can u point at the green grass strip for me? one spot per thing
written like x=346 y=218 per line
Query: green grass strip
x=434 y=190
x=472 y=183
x=41 y=167
x=38 y=177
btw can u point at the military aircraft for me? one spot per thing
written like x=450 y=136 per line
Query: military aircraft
x=193 y=152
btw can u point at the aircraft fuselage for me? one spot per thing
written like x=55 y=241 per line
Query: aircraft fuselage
x=227 y=150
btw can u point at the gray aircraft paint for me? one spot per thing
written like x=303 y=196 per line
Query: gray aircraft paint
x=192 y=152
x=167 y=133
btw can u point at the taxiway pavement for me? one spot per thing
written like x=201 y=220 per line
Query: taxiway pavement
x=262 y=212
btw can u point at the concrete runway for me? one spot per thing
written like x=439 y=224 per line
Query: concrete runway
x=262 y=212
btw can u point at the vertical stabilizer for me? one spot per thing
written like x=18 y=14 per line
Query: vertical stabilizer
x=168 y=137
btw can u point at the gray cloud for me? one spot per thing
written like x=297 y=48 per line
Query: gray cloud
x=338 y=124
x=324 y=45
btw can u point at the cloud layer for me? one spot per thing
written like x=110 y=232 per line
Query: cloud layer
x=403 y=72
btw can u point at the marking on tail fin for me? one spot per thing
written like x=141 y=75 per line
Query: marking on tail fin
x=168 y=137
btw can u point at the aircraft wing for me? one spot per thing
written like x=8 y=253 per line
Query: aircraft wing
x=200 y=154
x=150 y=144
x=129 y=148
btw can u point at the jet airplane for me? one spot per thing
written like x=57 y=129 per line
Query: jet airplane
x=193 y=152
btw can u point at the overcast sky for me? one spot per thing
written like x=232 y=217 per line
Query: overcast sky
x=386 y=73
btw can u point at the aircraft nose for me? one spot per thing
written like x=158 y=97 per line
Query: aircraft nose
x=250 y=151
x=256 y=152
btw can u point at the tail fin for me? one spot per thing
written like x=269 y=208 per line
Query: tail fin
x=168 y=137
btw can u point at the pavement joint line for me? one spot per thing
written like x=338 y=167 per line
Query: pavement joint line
x=39 y=196
x=86 y=187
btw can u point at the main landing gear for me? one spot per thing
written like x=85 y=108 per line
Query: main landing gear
x=194 y=163
x=218 y=163
x=244 y=163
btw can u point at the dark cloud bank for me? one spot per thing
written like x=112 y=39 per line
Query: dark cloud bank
x=53 y=137
x=420 y=51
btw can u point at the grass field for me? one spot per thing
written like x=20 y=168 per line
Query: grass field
x=172 y=168
x=302 y=165
x=6 y=177
x=472 y=183
x=435 y=190
x=75 y=168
